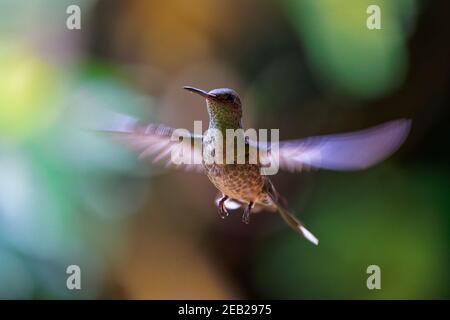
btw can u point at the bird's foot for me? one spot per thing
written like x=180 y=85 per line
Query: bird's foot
x=223 y=213
x=246 y=214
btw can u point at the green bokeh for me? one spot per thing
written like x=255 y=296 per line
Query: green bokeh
x=385 y=217
x=344 y=53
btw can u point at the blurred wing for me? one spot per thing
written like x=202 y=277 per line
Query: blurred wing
x=343 y=152
x=174 y=148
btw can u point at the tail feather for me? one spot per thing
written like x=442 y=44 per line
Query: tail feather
x=295 y=224
x=280 y=204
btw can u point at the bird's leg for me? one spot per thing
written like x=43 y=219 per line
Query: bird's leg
x=247 y=210
x=223 y=213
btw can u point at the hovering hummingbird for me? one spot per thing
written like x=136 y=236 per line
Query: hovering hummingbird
x=243 y=185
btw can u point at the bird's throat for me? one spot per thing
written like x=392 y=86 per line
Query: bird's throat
x=222 y=121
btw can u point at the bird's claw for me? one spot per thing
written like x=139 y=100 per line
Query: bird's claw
x=246 y=217
x=223 y=213
x=246 y=214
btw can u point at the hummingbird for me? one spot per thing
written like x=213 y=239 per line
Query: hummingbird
x=243 y=184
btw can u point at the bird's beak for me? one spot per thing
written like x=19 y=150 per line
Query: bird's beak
x=203 y=93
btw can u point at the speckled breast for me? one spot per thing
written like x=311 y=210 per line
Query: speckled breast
x=239 y=181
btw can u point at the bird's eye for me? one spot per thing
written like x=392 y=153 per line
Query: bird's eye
x=229 y=97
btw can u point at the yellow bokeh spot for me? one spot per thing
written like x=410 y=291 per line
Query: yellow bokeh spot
x=27 y=89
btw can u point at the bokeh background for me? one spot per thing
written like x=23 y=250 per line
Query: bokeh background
x=309 y=67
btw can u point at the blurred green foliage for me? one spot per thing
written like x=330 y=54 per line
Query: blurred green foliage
x=387 y=217
x=345 y=53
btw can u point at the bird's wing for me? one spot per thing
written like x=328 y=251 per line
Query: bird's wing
x=175 y=148
x=341 y=152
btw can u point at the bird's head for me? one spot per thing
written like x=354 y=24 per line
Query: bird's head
x=223 y=104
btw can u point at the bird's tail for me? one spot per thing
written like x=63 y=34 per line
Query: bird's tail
x=280 y=205
x=295 y=224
